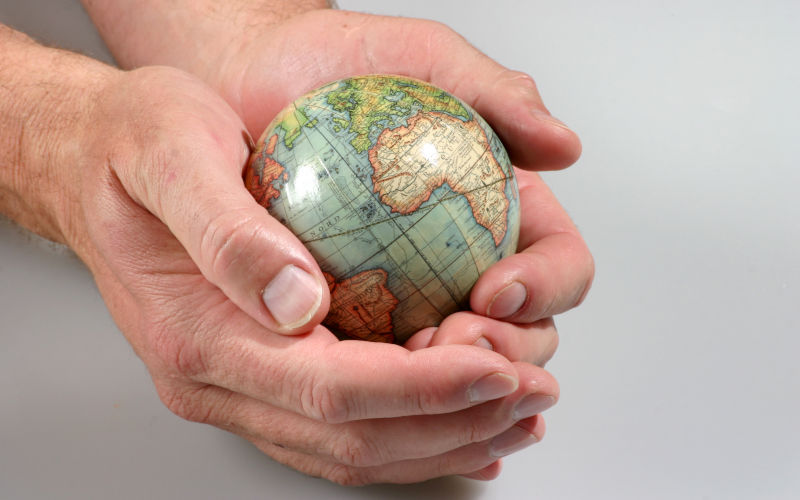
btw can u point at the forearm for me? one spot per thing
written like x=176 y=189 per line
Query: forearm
x=44 y=100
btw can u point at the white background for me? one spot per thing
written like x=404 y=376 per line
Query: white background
x=679 y=375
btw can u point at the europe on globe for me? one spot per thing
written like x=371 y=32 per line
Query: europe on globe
x=401 y=192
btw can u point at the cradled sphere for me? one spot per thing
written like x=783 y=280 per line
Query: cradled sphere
x=402 y=193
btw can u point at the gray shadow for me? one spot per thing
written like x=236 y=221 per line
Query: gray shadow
x=276 y=480
x=58 y=23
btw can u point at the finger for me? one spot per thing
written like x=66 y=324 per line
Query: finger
x=356 y=44
x=509 y=100
x=373 y=442
x=465 y=460
x=190 y=178
x=491 y=471
x=320 y=377
x=553 y=272
x=532 y=342
x=187 y=328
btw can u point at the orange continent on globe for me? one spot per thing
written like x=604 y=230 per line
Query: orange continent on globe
x=259 y=180
x=361 y=306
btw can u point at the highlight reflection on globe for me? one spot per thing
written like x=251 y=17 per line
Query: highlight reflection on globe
x=402 y=193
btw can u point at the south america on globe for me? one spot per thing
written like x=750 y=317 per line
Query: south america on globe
x=402 y=193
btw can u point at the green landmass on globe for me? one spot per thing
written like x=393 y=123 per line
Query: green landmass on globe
x=401 y=192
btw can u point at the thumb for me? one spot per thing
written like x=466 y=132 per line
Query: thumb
x=193 y=184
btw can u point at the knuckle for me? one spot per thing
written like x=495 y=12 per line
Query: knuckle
x=325 y=403
x=517 y=81
x=346 y=475
x=446 y=466
x=189 y=361
x=522 y=79
x=177 y=353
x=440 y=29
x=427 y=401
x=433 y=36
x=186 y=403
x=472 y=432
x=226 y=240
x=355 y=449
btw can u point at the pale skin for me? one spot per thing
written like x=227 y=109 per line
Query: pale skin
x=139 y=172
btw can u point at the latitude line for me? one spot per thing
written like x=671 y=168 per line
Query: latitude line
x=403 y=233
x=430 y=205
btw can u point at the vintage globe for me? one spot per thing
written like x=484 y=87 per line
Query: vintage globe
x=401 y=192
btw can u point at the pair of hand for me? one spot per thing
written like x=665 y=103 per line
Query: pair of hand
x=182 y=253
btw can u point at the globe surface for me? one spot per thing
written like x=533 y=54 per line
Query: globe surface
x=402 y=193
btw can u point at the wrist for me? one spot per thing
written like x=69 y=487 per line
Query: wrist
x=47 y=96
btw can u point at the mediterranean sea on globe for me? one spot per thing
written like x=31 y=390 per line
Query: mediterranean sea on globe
x=401 y=192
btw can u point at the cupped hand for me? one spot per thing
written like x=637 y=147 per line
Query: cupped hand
x=514 y=301
x=223 y=305
x=275 y=63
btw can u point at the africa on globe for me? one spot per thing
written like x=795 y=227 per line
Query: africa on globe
x=401 y=192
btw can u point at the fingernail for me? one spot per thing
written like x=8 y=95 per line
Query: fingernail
x=292 y=297
x=491 y=387
x=484 y=342
x=512 y=440
x=547 y=117
x=531 y=405
x=507 y=301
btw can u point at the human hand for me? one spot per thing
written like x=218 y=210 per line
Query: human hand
x=270 y=63
x=181 y=252
x=553 y=270
x=278 y=50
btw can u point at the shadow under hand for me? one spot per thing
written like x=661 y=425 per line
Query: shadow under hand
x=275 y=480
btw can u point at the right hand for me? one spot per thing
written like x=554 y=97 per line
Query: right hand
x=182 y=253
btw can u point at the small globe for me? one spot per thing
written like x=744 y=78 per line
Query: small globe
x=401 y=192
